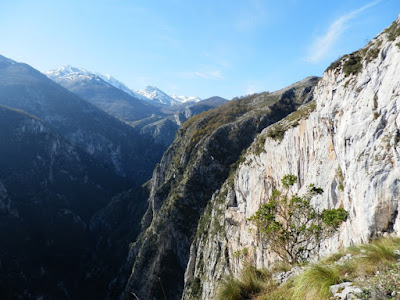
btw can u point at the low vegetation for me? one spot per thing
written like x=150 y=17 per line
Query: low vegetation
x=352 y=63
x=250 y=283
x=207 y=122
x=393 y=31
x=340 y=177
x=314 y=283
x=277 y=130
x=373 y=268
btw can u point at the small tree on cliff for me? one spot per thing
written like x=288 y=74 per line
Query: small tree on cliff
x=293 y=227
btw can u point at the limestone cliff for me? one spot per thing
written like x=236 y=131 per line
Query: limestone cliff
x=349 y=146
x=192 y=169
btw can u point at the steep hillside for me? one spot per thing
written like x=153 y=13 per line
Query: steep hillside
x=191 y=170
x=163 y=129
x=349 y=146
x=48 y=192
x=156 y=121
x=103 y=137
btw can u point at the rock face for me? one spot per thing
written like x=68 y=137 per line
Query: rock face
x=349 y=146
x=191 y=170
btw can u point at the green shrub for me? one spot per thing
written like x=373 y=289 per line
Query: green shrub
x=353 y=64
x=276 y=132
x=334 y=65
x=292 y=226
x=334 y=217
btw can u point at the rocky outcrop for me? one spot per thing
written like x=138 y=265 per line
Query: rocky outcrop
x=191 y=170
x=349 y=146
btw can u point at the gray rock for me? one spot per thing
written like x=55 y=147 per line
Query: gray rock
x=344 y=291
x=282 y=277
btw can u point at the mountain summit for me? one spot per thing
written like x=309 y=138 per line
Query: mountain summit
x=156 y=95
x=151 y=94
x=105 y=92
x=71 y=73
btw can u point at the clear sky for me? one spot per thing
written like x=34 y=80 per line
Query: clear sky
x=194 y=48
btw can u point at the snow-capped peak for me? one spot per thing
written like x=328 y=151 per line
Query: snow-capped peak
x=184 y=99
x=150 y=94
x=119 y=85
x=68 y=72
x=156 y=95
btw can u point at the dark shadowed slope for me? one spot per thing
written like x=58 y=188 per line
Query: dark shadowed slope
x=108 y=140
x=49 y=190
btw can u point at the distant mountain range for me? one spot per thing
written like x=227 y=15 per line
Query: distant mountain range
x=155 y=114
x=67 y=75
x=75 y=152
x=115 y=144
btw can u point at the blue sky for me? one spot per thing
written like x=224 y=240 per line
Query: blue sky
x=194 y=48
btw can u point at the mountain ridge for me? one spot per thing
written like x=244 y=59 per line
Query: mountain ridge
x=150 y=94
x=348 y=145
x=201 y=157
x=81 y=123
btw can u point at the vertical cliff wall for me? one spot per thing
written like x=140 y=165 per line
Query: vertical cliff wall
x=349 y=146
x=191 y=170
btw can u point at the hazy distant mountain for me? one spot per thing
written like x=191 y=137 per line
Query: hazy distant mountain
x=103 y=137
x=105 y=92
